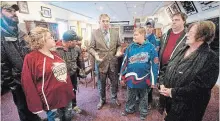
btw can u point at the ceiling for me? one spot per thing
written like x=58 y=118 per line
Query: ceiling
x=118 y=11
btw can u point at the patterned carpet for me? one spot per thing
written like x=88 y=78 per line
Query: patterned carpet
x=88 y=98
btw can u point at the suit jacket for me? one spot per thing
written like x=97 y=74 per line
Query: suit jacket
x=98 y=45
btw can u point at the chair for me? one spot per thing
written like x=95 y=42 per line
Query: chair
x=89 y=68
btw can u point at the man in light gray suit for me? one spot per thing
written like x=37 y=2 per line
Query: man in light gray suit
x=105 y=47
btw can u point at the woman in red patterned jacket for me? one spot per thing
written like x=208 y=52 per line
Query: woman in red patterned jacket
x=45 y=80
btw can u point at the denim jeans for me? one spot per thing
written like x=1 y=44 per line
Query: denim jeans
x=63 y=114
x=51 y=114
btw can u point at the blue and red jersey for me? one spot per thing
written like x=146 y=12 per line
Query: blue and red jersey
x=139 y=68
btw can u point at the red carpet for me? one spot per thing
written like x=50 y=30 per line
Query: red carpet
x=88 y=98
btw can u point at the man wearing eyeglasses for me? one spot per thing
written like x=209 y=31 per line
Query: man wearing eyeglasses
x=13 y=50
x=105 y=47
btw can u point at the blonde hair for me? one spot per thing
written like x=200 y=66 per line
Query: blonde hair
x=36 y=38
x=103 y=15
x=140 y=30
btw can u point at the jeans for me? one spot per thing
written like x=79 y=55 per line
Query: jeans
x=63 y=114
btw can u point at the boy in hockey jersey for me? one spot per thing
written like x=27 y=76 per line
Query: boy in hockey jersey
x=139 y=71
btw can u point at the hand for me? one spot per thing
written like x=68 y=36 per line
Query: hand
x=119 y=53
x=161 y=87
x=157 y=48
x=166 y=92
x=97 y=58
x=84 y=48
x=153 y=86
x=122 y=82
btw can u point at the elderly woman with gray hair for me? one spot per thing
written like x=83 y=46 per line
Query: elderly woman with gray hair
x=190 y=75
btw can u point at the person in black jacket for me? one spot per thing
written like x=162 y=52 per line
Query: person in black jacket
x=190 y=75
x=71 y=53
x=13 y=50
x=171 y=42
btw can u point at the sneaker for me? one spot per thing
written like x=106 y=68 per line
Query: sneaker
x=142 y=117
x=77 y=110
x=125 y=113
x=149 y=107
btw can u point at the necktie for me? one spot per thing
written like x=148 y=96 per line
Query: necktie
x=106 y=37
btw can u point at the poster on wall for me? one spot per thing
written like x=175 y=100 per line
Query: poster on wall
x=189 y=7
x=23 y=7
x=46 y=12
x=175 y=8
x=73 y=28
x=169 y=12
x=206 y=5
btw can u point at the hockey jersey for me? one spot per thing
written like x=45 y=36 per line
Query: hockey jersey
x=139 y=68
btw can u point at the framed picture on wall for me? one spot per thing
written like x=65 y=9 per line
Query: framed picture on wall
x=46 y=12
x=175 y=8
x=189 y=7
x=206 y=5
x=23 y=7
x=169 y=12
x=73 y=28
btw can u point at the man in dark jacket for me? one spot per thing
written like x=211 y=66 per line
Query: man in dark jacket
x=13 y=50
x=71 y=53
x=171 y=42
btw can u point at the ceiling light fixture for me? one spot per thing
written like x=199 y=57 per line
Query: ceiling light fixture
x=135 y=6
x=100 y=8
x=135 y=13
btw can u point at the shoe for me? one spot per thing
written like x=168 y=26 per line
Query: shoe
x=125 y=113
x=100 y=105
x=142 y=117
x=116 y=102
x=45 y=119
x=77 y=110
x=149 y=107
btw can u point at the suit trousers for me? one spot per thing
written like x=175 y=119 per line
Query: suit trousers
x=113 y=76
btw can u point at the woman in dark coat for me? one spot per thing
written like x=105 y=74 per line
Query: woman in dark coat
x=190 y=75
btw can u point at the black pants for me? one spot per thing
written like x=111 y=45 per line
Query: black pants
x=150 y=96
x=20 y=102
x=74 y=83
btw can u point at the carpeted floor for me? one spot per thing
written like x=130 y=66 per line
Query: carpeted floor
x=88 y=98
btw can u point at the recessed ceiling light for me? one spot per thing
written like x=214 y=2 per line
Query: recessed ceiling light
x=135 y=13
x=135 y=6
x=100 y=8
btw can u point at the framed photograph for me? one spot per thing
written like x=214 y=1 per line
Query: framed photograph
x=175 y=8
x=189 y=7
x=206 y=5
x=169 y=12
x=46 y=12
x=23 y=7
x=73 y=28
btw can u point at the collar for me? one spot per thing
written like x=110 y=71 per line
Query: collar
x=145 y=42
x=103 y=31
